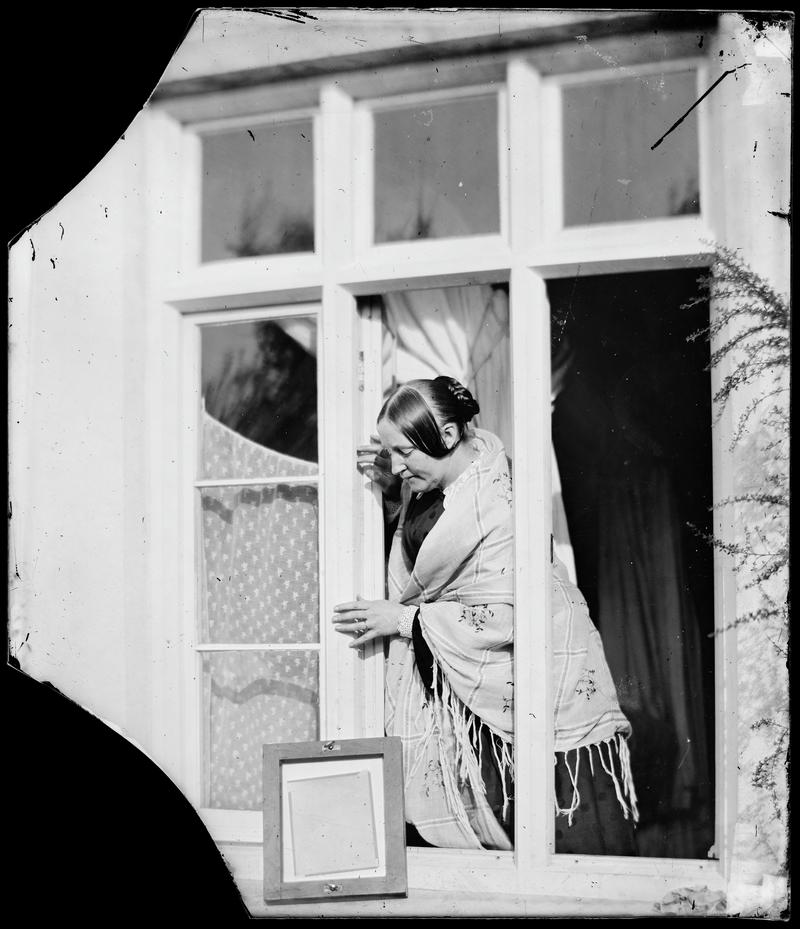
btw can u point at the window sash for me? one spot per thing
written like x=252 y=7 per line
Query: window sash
x=627 y=237
x=230 y=821
x=191 y=181
x=367 y=250
x=525 y=255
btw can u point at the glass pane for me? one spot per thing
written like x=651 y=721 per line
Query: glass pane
x=436 y=170
x=252 y=698
x=260 y=576
x=258 y=191
x=632 y=437
x=259 y=386
x=610 y=172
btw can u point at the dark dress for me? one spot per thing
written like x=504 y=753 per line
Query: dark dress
x=598 y=826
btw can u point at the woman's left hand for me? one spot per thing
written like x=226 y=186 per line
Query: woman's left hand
x=367 y=619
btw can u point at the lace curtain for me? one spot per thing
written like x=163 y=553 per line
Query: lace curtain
x=259 y=585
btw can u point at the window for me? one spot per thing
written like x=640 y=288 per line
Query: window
x=436 y=169
x=611 y=171
x=632 y=442
x=257 y=543
x=491 y=203
x=433 y=169
x=258 y=190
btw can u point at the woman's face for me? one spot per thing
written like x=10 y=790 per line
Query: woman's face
x=420 y=471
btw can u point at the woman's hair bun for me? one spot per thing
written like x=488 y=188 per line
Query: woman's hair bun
x=421 y=408
x=467 y=404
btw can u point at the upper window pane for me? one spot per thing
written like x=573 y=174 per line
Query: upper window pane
x=436 y=170
x=258 y=191
x=259 y=387
x=611 y=174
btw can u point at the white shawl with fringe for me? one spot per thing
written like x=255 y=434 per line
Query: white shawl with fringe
x=467 y=560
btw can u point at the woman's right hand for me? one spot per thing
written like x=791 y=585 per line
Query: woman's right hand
x=374 y=462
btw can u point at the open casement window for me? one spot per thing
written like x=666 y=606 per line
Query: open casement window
x=256 y=555
x=519 y=184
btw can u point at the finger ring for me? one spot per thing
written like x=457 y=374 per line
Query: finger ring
x=364 y=627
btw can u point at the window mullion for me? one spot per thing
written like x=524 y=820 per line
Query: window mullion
x=533 y=729
x=530 y=365
x=335 y=176
x=371 y=549
x=192 y=703
x=341 y=666
x=525 y=168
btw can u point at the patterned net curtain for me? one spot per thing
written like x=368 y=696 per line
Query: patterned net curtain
x=259 y=585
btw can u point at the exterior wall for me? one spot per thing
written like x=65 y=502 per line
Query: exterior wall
x=77 y=442
x=752 y=161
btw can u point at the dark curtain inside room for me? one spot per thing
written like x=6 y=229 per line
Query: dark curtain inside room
x=632 y=435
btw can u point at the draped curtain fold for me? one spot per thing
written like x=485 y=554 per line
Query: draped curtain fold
x=652 y=639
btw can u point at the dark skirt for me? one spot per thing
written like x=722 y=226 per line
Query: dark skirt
x=599 y=826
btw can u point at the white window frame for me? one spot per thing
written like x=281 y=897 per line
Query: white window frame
x=671 y=234
x=373 y=254
x=227 y=822
x=526 y=258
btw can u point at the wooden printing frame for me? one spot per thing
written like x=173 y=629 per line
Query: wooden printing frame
x=394 y=882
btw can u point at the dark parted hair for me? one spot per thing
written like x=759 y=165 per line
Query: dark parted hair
x=415 y=407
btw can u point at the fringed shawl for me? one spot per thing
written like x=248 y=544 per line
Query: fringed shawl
x=466 y=560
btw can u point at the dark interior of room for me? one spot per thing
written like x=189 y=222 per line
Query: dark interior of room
x=632 y=434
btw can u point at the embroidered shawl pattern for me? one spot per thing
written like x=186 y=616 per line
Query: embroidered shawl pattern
x=466 y=560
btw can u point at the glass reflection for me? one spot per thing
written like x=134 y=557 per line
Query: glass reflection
x=259 y=382
x=611 y=173
x=436 y=170
x=258 y=191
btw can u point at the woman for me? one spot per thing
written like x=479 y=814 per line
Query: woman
x=449 y=620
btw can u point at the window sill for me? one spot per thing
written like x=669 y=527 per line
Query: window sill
x=435 y=903
x=461 y=884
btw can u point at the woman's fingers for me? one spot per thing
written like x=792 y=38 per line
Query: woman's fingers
x=376 y=469
x=372 y=451
x=348 y=625
x=348 y=629
x=373 y=461
x=368 y=636
x=350 y=617
x=359 y=604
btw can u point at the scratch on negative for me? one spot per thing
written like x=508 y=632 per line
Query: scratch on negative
x=613 y=62
x=781 y=215
x=294 y=15
x=696 y=102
